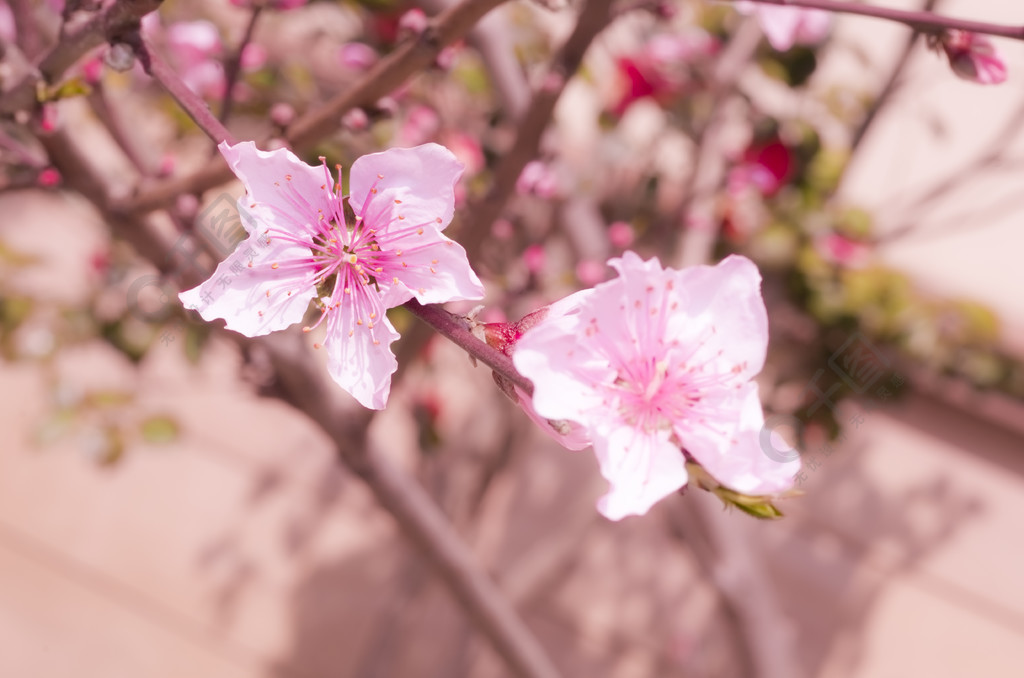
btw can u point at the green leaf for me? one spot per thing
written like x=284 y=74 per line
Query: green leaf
x=159 y=429
x=75 y=87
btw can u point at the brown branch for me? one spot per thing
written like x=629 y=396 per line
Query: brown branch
x=117 y=20
x=413 y=56
x=304 y=385
x=456 y=329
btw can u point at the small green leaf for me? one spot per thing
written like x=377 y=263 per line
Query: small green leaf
x=75 y=87
x=159 y=429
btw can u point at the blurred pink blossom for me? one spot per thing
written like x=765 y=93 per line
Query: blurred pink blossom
x=538 y=179
x=621 y=234
x=273 y=4
x=8 y=29
x=301 y=248
x=357 y=55
x=766 y=166
x=254 y=57
x=413 y=22
x=590 y=272
x=657 y=69
x=356 y=120
x=195 y=47
x=838 y=249
x=973 y=57
x=656 y=367
x=502 y=229
x=420 y=125
x=48 y=177
x=788 y=26
x=534 y=257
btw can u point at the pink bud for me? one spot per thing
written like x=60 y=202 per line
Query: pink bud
x=420 y=125
x=282 y=114
x=48 y=118
x=537 y=179
x=92 y=70
x=446 y=58
x=356 y=120
x=357 y=55
x=502 y=229
x=533 y=258
x=590 y=272
x=413 y=22
x=621 y=235
x=254 y=57
x=973 y=57
x=49 y=177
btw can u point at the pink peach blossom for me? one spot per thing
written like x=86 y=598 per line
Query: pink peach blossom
x=788 y=26
x=656 y=367
x=302 y=248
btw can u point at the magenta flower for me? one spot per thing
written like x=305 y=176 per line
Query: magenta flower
x=788 y=26
x=973 y=57
x=302 y=248
x=656 y=368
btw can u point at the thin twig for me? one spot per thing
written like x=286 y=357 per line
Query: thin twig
x=593 y=17
x=926 y=22
x=234 y=65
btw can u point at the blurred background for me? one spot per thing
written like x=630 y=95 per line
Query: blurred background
x=162 y=513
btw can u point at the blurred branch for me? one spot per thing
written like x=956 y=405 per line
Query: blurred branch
x=414 y=55
x=189 y=101
x=111 y=119
x=709 y=169
x=491 y=38
x=890 y=86
x=926 y=22
x=594 y=15
x=724 y=549
x=304 y=385
x=111 y=23
x=233 y=67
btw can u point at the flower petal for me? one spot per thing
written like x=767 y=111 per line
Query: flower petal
x=564 y=375
x=282 y=190
x=726 y=298
x=642 y=467
x=572 y=436
x=738 y=461
x=421 y=178
x=359 y=356
x=259 y=299
x=432 y=268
